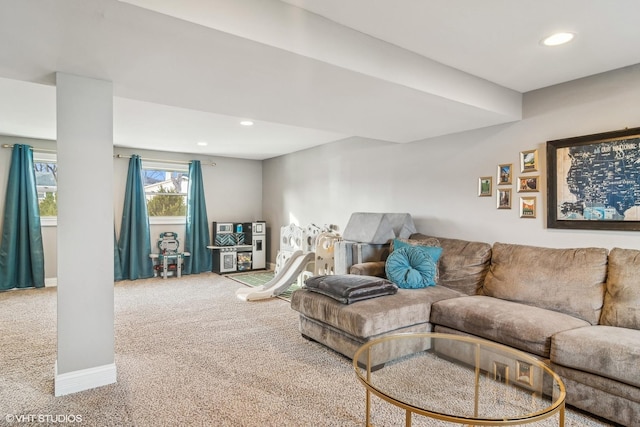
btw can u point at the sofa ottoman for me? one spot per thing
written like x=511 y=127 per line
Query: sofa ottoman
x=345 y=327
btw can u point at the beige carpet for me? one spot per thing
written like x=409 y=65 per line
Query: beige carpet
x=260 y=278
x=189 y=353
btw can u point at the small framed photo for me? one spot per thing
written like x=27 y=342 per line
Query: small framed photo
x=529 y=161
x=485 y=186
x=528 y=184
x=524 y=373
x=528 y=207
x=500 y=372
x=504 y=198
x=504 y=174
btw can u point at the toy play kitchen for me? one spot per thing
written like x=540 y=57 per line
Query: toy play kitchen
x=239 y=246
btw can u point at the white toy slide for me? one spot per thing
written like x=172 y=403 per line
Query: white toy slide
x=282 y=281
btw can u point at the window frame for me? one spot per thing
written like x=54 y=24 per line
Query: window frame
x=42 y=157
x=169 y=167
x=52 y=221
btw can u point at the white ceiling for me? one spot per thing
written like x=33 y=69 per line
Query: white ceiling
x=307 y=72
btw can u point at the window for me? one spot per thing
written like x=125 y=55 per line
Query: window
x=46 y=171
x=165 y=188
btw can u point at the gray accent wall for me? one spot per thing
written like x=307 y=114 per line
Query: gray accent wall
x=436 y=180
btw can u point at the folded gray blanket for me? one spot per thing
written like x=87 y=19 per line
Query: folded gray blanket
x=350 y=288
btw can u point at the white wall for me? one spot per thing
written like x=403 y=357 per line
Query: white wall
x=233 y=190
x=436 y=180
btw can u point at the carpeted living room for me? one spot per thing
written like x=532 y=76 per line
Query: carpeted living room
x=210 y=209
x=190 y=353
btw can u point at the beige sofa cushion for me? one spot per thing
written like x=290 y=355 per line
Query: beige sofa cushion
x=602 y=350
x=462 y=265
x=520 y=326
x=622 y=298
x=570 y=281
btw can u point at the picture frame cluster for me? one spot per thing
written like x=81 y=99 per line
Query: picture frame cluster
x=528 y=182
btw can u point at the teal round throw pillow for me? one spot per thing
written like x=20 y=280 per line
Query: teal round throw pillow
x=411 y=268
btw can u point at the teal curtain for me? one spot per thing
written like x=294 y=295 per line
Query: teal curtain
x=21 y=252
x=197 y=230
x=117 y=266
x=135 y=239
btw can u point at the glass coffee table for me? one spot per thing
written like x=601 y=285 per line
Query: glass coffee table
x=458 y=379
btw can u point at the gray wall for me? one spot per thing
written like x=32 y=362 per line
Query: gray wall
x=436 y=180
x=233 y=190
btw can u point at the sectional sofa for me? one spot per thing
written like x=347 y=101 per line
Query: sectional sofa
x=576 y=309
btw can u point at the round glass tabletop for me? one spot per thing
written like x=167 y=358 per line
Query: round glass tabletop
x=459 y=379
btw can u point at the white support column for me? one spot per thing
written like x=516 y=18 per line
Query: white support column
x=85 y=234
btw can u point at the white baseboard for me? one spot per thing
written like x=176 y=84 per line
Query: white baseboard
x=50 y=281
x=84 y=379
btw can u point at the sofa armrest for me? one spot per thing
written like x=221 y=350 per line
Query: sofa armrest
x=371 y=268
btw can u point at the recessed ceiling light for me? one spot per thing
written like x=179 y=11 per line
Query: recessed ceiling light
x=558 y=39
x=246 y=123
x=202 y=143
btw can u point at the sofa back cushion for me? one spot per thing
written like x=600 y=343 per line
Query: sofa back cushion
x=622 y=297
x=570 y=281
x=462 y=265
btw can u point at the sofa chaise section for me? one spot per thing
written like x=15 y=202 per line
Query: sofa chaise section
x=345 y=327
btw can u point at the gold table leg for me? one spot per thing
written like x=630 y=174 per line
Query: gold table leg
x=368 y=410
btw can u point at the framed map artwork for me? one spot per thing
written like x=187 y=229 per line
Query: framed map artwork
x=593 y=181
